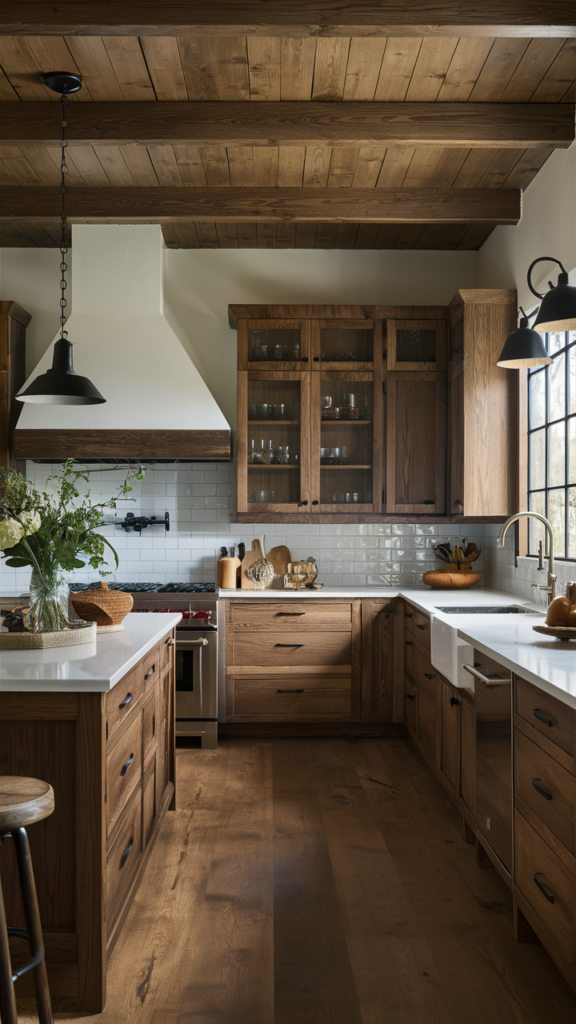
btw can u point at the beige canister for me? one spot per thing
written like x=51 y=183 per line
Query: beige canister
x=227 y=573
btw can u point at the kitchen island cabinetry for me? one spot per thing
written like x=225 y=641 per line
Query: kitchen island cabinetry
x=109 y=757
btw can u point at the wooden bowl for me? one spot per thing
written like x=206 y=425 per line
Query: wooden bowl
x=440 y=580
x=104 y=607
x=560 y=632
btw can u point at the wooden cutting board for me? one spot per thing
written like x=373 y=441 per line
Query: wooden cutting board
x=249 y=558
x=280 y=556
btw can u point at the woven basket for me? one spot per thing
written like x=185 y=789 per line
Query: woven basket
x=104 y=607
x=41 y=641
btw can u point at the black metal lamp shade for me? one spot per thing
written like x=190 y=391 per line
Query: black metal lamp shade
x=523 y=348
x=61 y=385
x=558 y=309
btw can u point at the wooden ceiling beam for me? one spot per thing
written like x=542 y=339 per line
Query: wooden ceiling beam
x=298 y=18
x=499 y=125
x=340 y=205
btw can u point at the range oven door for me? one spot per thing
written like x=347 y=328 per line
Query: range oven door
x=196 y=675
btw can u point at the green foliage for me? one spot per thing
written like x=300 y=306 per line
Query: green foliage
x=68 y=523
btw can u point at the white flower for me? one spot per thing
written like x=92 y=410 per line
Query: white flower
x=30 y=521
x=10 y=533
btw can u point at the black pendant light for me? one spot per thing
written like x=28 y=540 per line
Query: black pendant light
x=558 y=309
x=61 y=385
x=523 y=348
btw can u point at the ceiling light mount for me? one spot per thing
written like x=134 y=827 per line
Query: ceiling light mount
x=64 y=82
x=558 y=309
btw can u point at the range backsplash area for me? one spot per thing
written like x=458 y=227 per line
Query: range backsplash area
x=201 y=500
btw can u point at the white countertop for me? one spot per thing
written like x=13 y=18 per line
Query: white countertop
x=547 y=663
x=85 y=668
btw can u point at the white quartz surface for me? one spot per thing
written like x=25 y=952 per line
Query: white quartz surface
x=85 y=668
x=548 y=663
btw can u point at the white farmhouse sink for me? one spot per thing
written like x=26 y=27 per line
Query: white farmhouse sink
x=448 y=652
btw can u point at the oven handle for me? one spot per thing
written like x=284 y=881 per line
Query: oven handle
x=485 y=680
x=202 y=642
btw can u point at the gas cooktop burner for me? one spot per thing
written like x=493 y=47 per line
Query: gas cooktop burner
x=152 y=588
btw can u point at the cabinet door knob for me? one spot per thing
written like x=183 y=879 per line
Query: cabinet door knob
x=300 y=503
x=314 y=502
x=409 y=696
x=408 y=643
x=316 y=359
x=429 y=675
x=454 y=702
x=304 y=359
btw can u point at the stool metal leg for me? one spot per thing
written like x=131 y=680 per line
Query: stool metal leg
x=33 y=925
x=8 y=1013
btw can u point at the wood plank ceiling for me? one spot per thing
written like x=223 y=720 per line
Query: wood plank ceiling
x=151 y=68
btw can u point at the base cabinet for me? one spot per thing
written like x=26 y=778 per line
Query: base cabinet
x=110 y=759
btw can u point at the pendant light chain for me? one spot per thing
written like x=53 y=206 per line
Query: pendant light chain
x=63 y=223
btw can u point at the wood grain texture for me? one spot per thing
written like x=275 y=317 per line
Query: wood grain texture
x=556 y=812
x=13 y=323
x=138 y=444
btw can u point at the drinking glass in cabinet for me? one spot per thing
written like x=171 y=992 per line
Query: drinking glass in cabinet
x=352 y=406
x=253 y=412
x=266 y=344
x=261 y=496
x=338 y=497
x=260 y=351
x=325 y=404
x=279 y=411
x=279 y=352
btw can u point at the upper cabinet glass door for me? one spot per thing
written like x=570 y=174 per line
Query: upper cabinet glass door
x=345 y=344
x=416 y=344
x=277 y=345
x=346 y=443
x=273 y=442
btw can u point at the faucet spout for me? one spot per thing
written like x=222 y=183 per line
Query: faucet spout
x=550 y=589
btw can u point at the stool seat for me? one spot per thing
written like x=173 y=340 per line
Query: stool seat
x=23 y=801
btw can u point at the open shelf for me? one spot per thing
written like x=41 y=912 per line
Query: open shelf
x=343 y=465
x=345 y=423
x=273 y=423
x=272 y=466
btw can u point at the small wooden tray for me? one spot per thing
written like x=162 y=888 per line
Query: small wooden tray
x=560 y=632
x=439 y=580
x=42 y=641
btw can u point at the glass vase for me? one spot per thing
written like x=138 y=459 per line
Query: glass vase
x=48 y=610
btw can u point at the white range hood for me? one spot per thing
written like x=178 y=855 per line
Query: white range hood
x=157 y=405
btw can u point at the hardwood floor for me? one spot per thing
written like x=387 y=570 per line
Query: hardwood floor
x=320 y=881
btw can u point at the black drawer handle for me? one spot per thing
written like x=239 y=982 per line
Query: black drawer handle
x=316 y=359
x=540 y=789
x=126 y=766
x=314 y=502
x=429 y=502
x=418 y=626
x=300 y=503
x=409 y=696
x=454 y=702
x=151 y=672
x=126 y=854
x=408 y=643
x=551 y=899
x=409 y=615
x=289 y=691
x=280 y=614
x=289 y=645
x=543 y=718
x=429 y=675
x=126 y=701
x=457 y=349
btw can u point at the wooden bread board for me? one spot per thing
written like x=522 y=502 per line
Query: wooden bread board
x=279 y=557
x=249 y=558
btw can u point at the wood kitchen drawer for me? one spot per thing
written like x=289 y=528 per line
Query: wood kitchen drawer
x=294 y=697
x=166 y=646
x=123 y=859
x=427 y=708
x=291 y=614
x=123 y=771
x=150 y=667
x=555 y=721
x=419 y=625
x=425 y=676
x=300 y=648
x=123 y=700
x=149 y=725
x=553 y=801
x=537 y=865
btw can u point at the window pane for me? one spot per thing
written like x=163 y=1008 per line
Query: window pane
x=537 y=460
x=572 y=522
x=556 y=508
x=572 y=379
x=556 y=454
x=537 y=400
x=557 y=388
x=572 y=450
x=556 y=341
x=536 y=530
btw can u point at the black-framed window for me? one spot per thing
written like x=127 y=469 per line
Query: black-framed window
x=552 y=445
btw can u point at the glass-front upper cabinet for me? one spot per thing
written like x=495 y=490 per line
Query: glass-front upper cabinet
x=346 y=442
x=273 y=442
x=416 y=344
x=345 y=344
x=277 y=345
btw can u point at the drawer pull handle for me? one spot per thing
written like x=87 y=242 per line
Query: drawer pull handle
x=409 y=615
x=551 y=899
x=429 y=675
x=150 y=673
x=289 y=691
x=418 y=626
x=126 y=701
x=454 y=702
x=409 y=696
x=126 y=854
x=486 y=680
x=169 y=642
x=543 y=718
x=408 y=643
x=126 y=766
x=280 y=614
x=289 y=645
x=540 y=789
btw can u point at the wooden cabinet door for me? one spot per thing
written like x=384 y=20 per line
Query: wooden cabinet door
x=416 y=345
x=456 y=502
x=277 y=345
x=467 y=781
x=346 y=344
x=273 y=415
x=377 y=661
x=416 y=443
x=449 y=734
x=410 y=705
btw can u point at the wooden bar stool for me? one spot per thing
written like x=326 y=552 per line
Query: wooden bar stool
x=22 y=802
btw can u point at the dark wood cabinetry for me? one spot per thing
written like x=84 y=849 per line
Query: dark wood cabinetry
x=110 y=759
x=368 y=413
x=13 y=323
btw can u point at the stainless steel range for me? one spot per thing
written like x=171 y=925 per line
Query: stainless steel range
x=196 y=649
